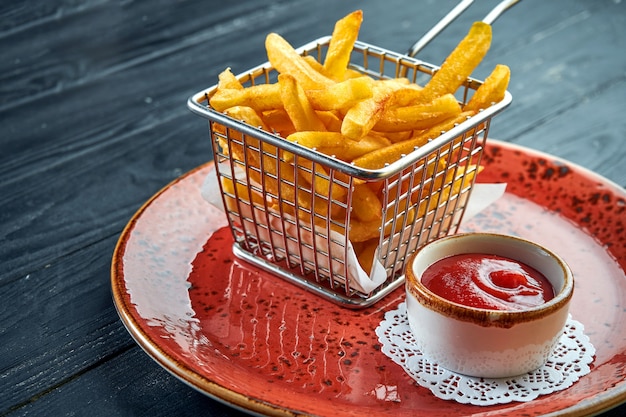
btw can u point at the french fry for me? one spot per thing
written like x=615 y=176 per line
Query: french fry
x=261 y=97
x=492 y=90
x=278 y=121
x=369 y=231
x=407 y=95
x=319 y=67
x=227 y=80
x=313 y=140
x=349 y=149
x=341 y=43
x=316 y=139
x=366 y=206
x=331 y=119
x=362 y=117
x=352 y=73
x=404 y=192
x=247 y=115
x=315 y=64
x=297 y=105
x=266 y=172
x=282 y=188
x=342 y=95
x=397 y=223
x=393 y=137
x=363 y=231
x=460 y=63
x=419 y=116
x=286 y=60
x=395 y=85
x=318 y=177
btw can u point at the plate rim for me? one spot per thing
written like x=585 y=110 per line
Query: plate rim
x=600 y=402
x=188 y=376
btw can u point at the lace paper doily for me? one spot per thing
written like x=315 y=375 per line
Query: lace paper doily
x=568 y=362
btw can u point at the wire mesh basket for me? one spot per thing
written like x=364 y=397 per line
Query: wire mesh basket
x=295 y=216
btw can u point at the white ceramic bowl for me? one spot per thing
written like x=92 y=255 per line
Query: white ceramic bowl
x=481 y=342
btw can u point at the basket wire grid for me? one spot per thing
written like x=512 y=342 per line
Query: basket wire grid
x=295 y=219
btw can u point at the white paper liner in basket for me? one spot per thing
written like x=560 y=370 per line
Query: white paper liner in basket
x=359 y=280
x=568 y=362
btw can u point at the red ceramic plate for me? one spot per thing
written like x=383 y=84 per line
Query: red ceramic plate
x=260 y=344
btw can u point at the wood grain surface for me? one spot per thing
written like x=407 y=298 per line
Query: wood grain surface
x=94 y=122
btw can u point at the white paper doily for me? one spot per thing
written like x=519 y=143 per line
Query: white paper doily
x=568 y=362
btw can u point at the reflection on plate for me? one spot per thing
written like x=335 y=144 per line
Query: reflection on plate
x=256 y=342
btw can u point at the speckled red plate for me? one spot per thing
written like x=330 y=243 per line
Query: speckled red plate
x=258 y=343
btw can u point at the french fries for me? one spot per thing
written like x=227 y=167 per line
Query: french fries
x=327 y=106
x=383 y=156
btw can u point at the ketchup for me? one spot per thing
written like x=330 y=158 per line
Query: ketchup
x=488 y=282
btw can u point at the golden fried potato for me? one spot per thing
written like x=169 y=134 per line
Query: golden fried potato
x=394 y=137
x=342 y=95
x=349 y=149
x=362 y=231
x=286 y=60
x=317 y=139
x=278 y=121
x=341 y=43
x=227 y=80
x=315 y=64
x=491 y=91
x=459 y=65
x=362 y=117
x=261 y=97
x=407 y=94
x=247 y=115
x=419 y=116
x=331 y=119
x=366 y=205
x=297 y=105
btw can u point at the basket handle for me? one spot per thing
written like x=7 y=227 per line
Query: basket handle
x=452 y=15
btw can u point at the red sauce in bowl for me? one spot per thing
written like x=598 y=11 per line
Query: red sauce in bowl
x=488 y=282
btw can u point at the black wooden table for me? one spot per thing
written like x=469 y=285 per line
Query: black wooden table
x=94 y=122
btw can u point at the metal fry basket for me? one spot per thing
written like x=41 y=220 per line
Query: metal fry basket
x=295 y=216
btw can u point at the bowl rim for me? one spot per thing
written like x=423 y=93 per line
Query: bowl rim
x=481 y=316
